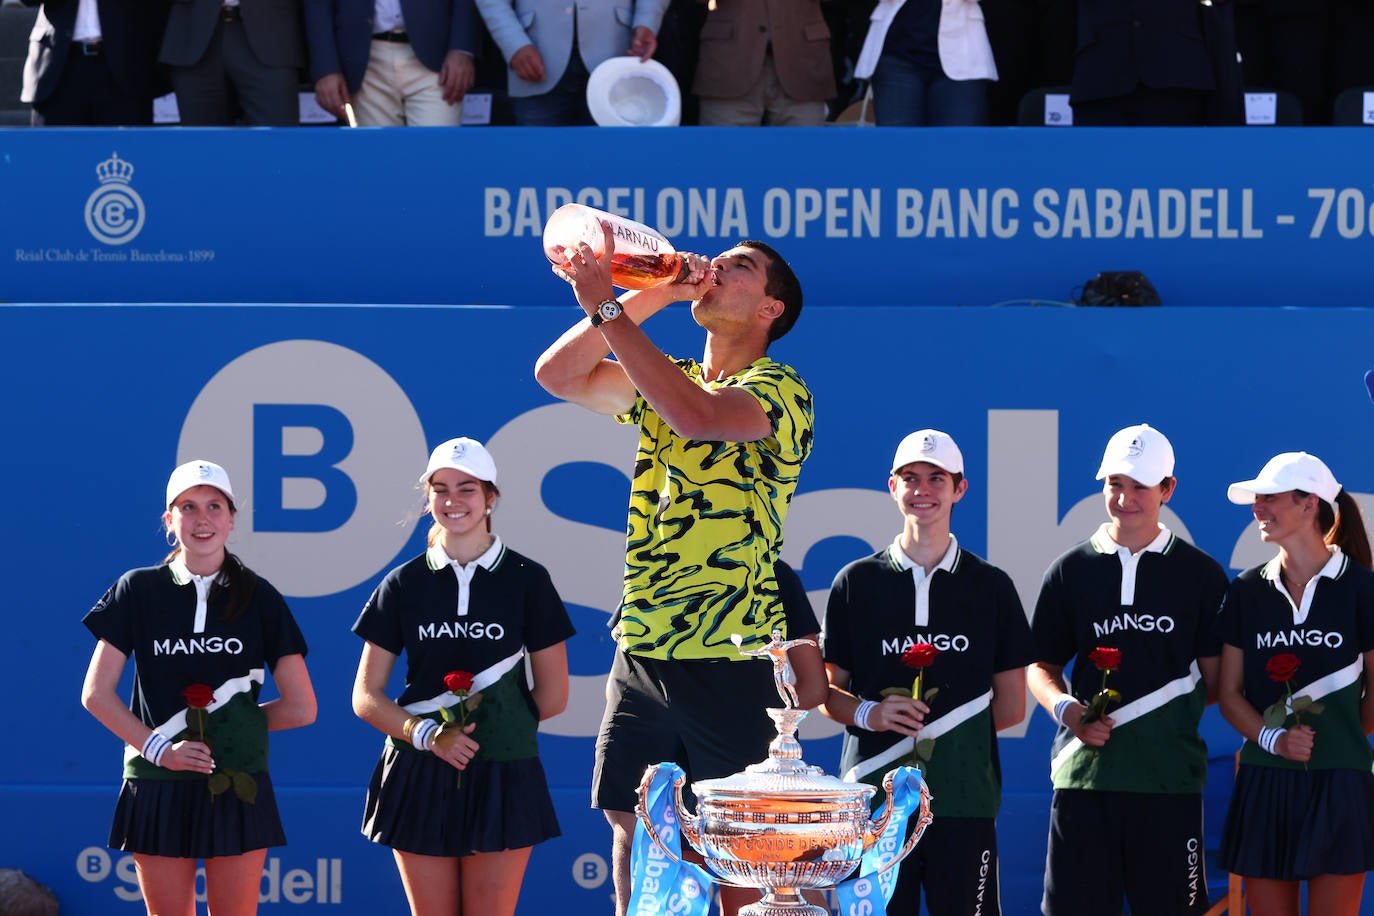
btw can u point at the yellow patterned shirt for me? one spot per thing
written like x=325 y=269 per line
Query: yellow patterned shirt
x=705 y=523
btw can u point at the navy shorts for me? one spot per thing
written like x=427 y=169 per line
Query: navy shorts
x=705 y=715
x=955 y=865
x=1144 y=847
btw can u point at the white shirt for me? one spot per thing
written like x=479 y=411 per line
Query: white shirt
x=87 y=26
x=387 y=16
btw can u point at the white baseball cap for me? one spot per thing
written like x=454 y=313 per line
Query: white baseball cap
x=624 y=91
x=932 y=447
x=461 y=454
x=196 y=473
x=1289 y=471
x=1141 y=453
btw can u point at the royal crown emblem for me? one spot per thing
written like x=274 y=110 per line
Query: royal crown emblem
x=114 y=211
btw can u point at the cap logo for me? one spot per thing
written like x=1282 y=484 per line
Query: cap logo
x=460 y=451
x=928 y=445
x=204 y=471
x=1135 y=449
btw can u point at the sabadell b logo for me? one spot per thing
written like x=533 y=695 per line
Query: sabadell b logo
x=114 y=211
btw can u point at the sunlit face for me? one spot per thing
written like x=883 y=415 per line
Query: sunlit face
x=741 y=278
x=1283 y=515
x=458 y=501
x=201 y=520
x=925 y=493
x=1132 y=506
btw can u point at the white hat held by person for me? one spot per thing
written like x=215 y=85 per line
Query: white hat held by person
x=628 y=92
x=1139 y=452
x=197 y=473
x=932 y=447
x=461 y=454
x=1289 y=471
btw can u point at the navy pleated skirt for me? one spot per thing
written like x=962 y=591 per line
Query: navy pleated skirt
x=1291 y=825
x=414 y=804
x=180 y=819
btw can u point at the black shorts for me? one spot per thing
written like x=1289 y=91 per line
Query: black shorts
x=707 y=716
x=1291 y=825
x=955 y=864
x=179 y=818
x=416 y=803
x=1145 y=847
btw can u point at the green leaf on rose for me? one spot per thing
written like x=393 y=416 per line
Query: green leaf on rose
x=1275 y=716
x=219 y=783
x=1307 y=704
x=931 y=694
x=245 y=787
x=925 y=750
x=474 y=701
x=895 y=692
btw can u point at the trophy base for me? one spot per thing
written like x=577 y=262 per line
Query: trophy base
x=783 y=902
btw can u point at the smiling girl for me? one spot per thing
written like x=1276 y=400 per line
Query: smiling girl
x=202 y=628
x=1299 y=631
x=459 y=793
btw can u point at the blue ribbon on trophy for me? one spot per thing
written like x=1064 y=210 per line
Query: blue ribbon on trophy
x=664 y=883
x=869 y=892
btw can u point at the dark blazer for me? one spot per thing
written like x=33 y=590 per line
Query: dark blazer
x=273 y=28
x=131 y=32
x=339 y=33
x=737 y=35
x=1126 y=43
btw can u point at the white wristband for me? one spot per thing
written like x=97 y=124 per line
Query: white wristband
x=422 y=736
x=1269 y=738
x=1061 y=705
x=861 y=715
x=155 y=747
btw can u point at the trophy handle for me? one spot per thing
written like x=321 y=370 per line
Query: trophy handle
x=688 y=824
x=879 y=823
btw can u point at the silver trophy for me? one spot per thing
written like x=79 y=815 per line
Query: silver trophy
x=781 y=825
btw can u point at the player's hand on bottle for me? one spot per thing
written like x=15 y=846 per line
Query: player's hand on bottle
x=188 y=757
x=590 y=275
x=454 y=745
x=899 y=714
x=701 y=277
x=1296 y=743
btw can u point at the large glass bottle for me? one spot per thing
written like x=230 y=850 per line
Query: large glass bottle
x=642 y=258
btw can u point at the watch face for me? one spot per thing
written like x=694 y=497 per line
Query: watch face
x=609 y=310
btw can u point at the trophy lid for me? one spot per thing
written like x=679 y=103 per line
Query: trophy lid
x=764 y=779
x=783 y=772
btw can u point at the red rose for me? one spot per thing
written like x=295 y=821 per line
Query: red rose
x=919 y=655
x=1282 y=667
x=458 y=681
x=1105 y=659
x=199 y=696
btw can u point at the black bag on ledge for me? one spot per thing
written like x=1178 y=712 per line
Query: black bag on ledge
x=1118 y=287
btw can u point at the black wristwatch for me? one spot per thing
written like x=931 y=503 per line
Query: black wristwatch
x=608 y=310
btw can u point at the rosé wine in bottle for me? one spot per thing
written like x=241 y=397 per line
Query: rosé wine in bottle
x=642 y=258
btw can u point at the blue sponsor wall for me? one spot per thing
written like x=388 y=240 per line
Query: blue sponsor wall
x=884 y=217
x=324 y=413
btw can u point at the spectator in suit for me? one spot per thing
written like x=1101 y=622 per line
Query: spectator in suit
x=94 y=62
x=930 y=62
x=1141 y=62
x=219 y=49
x=401 y=62
x=764 y=62
x=552 y=46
